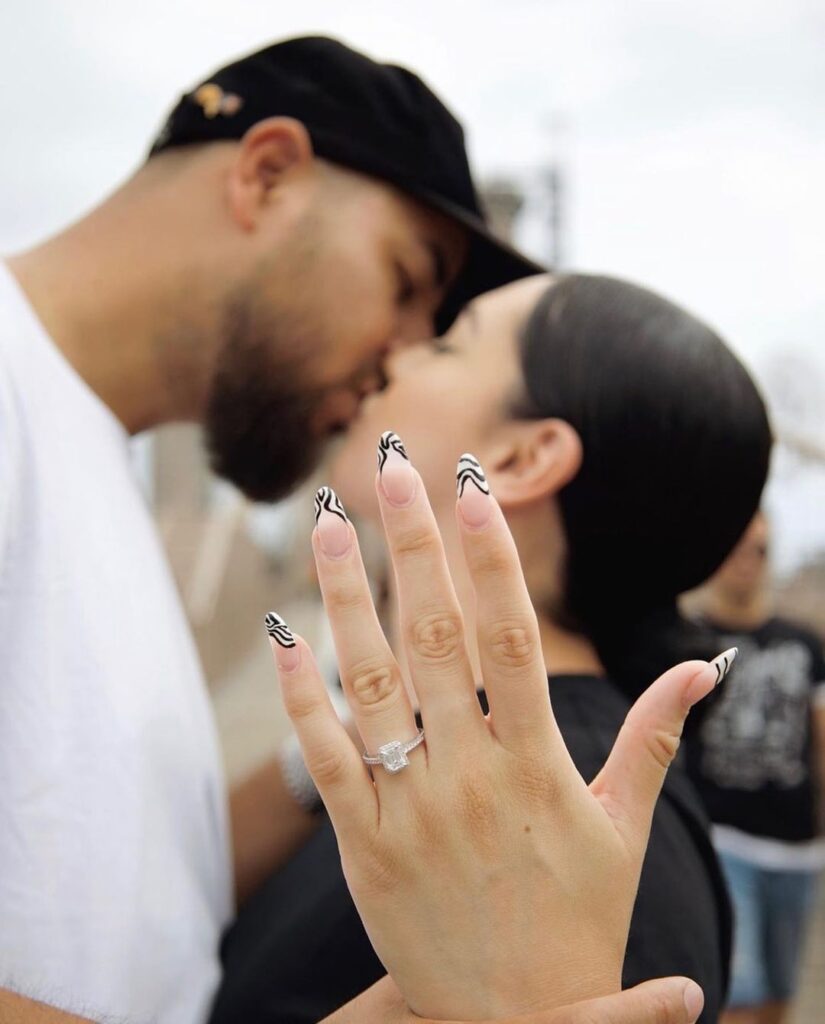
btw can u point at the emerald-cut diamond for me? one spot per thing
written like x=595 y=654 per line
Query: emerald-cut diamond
x=393 y=756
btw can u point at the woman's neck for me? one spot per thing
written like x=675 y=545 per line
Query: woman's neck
x=566 y=653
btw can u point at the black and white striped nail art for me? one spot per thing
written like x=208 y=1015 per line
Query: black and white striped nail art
x=390 y=441
x=326 y=500
x=722 y=663
x=470 y=471
x=278 y=630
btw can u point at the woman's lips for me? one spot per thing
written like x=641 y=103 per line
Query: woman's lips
x=337 y=411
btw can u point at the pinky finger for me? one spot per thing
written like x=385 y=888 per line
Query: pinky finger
x=330 y=756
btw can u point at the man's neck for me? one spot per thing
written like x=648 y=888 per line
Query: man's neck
x=107 y=291
x=747 y=612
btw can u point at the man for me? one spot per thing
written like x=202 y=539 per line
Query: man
x=758 y=758
x=303 y=212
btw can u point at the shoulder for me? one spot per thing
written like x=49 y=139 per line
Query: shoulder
x=785 y=632
x=785 y=629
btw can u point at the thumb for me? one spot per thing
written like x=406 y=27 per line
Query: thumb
x=663 y=1001
x=630 y=781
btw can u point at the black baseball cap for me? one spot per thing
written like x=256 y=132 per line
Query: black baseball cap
x=379 y=119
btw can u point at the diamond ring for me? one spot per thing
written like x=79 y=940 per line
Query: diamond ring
x=393 y=756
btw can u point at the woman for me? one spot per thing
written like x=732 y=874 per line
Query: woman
x=627 y=448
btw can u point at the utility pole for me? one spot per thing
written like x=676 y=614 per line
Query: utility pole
x=554 y=185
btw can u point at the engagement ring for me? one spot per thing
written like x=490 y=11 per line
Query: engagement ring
x=393 y=756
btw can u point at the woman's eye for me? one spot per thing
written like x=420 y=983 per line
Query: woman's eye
x=441 y=345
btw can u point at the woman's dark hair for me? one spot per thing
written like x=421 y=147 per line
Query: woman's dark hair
x=676 y=446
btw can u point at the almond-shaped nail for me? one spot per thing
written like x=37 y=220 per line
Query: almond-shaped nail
x=394 y=470
x=332 y=523
x=284 y=647
x=705 y=681
x=723 y=662
x=474 y=500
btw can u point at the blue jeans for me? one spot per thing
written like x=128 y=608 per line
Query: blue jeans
x=771 y=911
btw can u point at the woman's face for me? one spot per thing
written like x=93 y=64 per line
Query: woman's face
x=443 y=398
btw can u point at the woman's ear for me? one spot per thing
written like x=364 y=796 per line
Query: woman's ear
x=536 y=461
x=271 y=151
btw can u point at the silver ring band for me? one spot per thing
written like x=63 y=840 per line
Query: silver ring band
x=393 y=756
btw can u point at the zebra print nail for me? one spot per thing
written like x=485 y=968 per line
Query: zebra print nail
x=723 y=662
x=278 y=630
x=326 y=500
x=470 y=471
x=390 y=441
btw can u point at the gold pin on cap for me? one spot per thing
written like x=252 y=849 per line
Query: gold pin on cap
x=213 y=101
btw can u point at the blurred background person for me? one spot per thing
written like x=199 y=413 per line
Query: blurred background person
x=758 y=759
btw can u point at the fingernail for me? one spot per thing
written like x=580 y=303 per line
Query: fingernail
x=332 y=523
x=395 y=471
x=722 y=664
x=286 y=651
x=694 y=1001
x=705 y=681
x=474 y=501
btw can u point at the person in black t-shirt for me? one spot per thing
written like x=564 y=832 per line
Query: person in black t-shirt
x=627 y=448
x=757 y=755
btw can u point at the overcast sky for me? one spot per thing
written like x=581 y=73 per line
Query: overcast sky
x=692 y=138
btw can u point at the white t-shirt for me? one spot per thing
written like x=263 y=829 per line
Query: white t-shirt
x=115 y=876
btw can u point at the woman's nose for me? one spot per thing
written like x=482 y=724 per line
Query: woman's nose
x=404 y=356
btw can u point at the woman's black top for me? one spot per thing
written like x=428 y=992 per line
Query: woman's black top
x=298 y=950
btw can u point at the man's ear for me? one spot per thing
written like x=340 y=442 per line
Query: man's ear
x=538 y=458
x=269 y=153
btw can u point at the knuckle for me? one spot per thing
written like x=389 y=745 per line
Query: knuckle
x=477 y=806
x=430 y=824
x=438 y=637
x=494 y=560
x=416 y=541
x=342 y=595
x=663 y=745
x=537 y=783
x=326 y=765
x=373 y=683
x=511 y=645
x=299 y=706
x=663 y=1010
x=379 y=873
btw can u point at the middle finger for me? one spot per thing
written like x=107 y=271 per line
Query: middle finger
x=432 y=625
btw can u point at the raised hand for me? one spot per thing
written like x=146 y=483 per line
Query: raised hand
x=491 y=879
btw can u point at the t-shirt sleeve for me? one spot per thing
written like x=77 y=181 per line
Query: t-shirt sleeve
x=7 y=457
x=10 y=461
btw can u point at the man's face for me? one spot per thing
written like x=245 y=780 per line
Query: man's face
x=744 y=574
x=307 y=334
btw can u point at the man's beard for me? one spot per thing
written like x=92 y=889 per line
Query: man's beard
x=259 y=418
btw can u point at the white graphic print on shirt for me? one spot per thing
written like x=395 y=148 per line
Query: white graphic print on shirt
x=756 y=733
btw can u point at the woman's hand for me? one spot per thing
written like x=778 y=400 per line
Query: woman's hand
x=491 y=879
